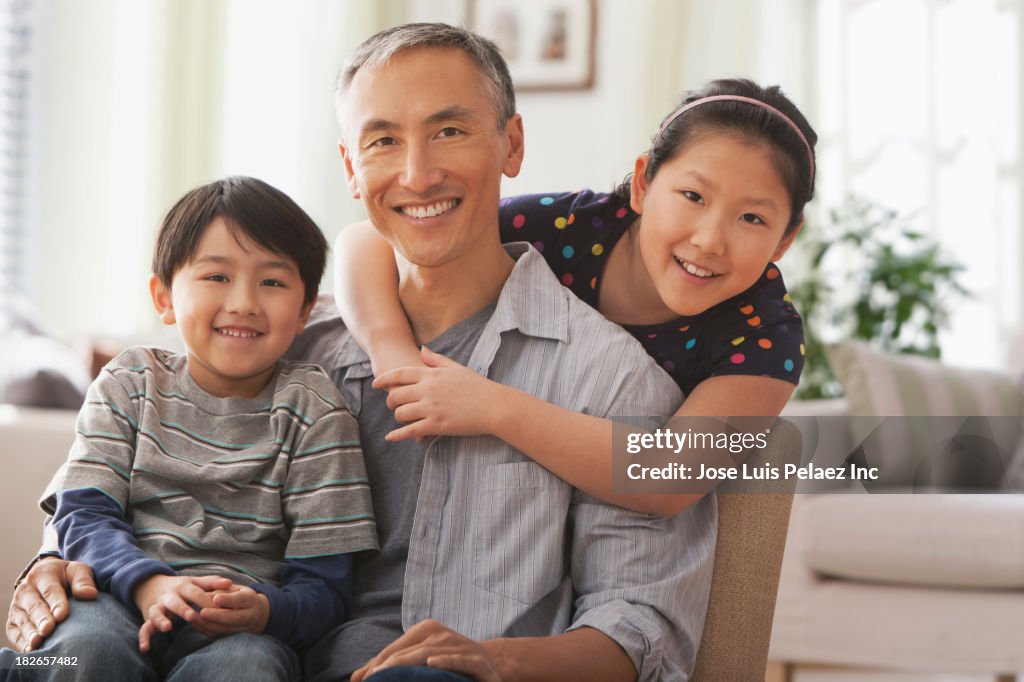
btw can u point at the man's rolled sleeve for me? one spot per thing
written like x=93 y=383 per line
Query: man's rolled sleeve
x=644 y=580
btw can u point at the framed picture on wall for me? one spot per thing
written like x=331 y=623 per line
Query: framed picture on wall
x=549 y=44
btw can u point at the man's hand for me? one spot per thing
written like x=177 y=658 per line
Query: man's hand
x=161 y=596
x=41 y=602
x=238 y=609
x=432 y=644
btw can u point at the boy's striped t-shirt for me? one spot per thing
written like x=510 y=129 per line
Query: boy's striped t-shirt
x=231 y=486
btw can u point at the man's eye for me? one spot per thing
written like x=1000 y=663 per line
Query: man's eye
x=272 y=283
x=693 y=196
x=383 y=142
x=751 y=218
x=449 y=132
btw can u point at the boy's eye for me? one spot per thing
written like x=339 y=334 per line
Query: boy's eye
x=693 y=196
x=751 y=218
x=272 y=283
x=216 y=278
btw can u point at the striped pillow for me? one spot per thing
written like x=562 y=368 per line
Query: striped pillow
x=944 y=449
x=883 y=384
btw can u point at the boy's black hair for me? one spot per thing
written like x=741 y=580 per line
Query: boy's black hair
x=249 y=207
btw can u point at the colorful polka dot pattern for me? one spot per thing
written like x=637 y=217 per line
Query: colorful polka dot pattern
x=758 y=333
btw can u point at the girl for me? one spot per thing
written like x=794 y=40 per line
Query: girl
x=682 y=255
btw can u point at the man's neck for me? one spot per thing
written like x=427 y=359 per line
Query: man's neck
x=438 y=298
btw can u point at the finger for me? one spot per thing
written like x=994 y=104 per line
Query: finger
x=472 y=665
x=20 y=630
x=40 y=618
x=418 y=430
x=146 y=633
x=227 y=617
x=173 y=602
x=83 y=585
x=212 y=629
x=158 y=616
x=51 y=588
x=401 y=395
x=196 y=596
x=411 y=638
x=432 y=359
x=398 y=377
x=242 y=599
x=412 y=412
x=212 y=582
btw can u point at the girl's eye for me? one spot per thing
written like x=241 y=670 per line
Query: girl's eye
x=272 y=283
x=693 y=196
x=751 y=218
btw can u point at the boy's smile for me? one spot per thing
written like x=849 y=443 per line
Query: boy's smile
x=237 y=306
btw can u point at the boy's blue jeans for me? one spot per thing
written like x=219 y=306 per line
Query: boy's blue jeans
x=103 y=637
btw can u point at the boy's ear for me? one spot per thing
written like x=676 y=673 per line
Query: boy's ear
x=162 y=301
x=638 y=184
x=304 y=315
x=350 y=174
x=787 y=242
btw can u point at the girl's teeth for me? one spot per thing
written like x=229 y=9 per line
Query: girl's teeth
x=694 y=270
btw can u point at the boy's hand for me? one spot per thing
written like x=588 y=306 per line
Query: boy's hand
x=442 y=399
x=161 y=596
x=237 y=609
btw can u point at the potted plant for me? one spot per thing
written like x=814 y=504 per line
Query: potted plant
x=873 y=277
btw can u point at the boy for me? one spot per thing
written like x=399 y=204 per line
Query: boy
x=217 y=495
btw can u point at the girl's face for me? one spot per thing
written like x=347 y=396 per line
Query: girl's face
x=711 y=220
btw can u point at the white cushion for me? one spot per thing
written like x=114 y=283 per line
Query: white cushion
x=971 y=541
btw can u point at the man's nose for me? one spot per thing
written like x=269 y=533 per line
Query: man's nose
x=422 y=169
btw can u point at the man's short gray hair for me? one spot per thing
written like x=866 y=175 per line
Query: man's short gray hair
x=378 y=49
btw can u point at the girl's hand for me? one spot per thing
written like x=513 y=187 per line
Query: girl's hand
x=442 y=399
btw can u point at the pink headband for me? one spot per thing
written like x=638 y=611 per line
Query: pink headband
x=739 y=98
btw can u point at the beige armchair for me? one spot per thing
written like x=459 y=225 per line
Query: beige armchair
x=752 y=523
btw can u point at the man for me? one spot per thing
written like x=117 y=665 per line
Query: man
x=530 y=578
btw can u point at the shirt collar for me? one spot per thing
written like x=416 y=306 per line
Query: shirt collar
x=532 y=302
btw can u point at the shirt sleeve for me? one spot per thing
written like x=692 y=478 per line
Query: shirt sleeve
x=759 y=334
x=315 y=595
x=92 y=528
x=325 y=498
x=642 y=580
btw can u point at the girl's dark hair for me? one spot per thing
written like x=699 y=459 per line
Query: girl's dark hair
x=789 y=154
x=249 y=207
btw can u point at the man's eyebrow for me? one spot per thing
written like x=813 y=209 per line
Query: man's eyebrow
x=452 y=113
x=376 y=125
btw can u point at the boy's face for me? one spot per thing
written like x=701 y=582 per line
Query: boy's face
x=237 y=306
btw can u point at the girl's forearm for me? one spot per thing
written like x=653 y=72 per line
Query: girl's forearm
x=575 y=447
x=366 y=292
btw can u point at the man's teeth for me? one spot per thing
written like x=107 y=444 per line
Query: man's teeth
x=429 y=211
x=238 y=333
x=694 y=270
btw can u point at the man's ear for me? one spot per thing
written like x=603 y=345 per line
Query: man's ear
x=638 y=184
x=350 y=174
x=516 y=146
x=162 y=301
x=787 y=241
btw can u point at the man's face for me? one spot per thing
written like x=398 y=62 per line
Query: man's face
x=423 y=152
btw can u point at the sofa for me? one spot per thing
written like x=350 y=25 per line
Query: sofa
x=900 y=583
x=33 y=443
